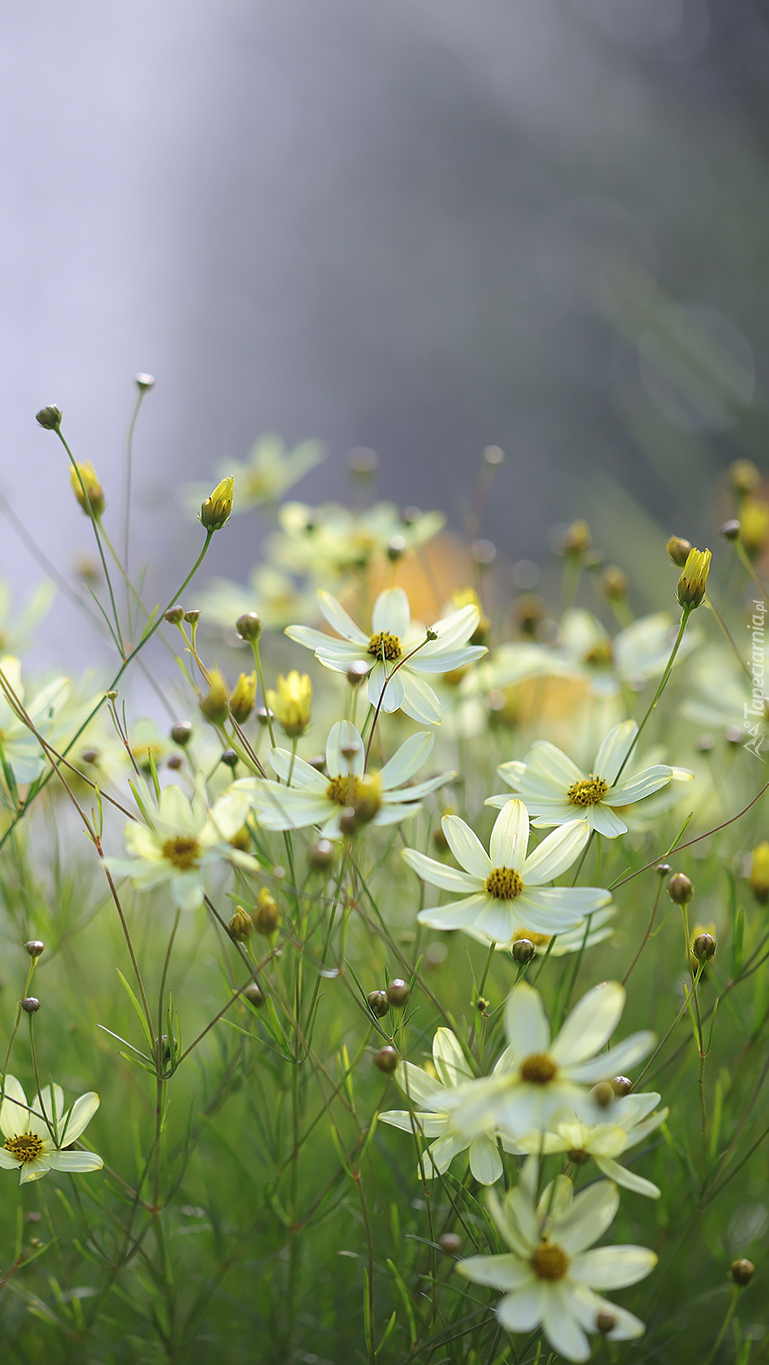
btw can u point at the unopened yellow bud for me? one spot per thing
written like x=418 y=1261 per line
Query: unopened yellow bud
x=694 y=579
x=754 y=526
x=577 y=539
x=241 y=926
x=744 y=477
x=243 y=699
x=215 y=706
x=759 y=873
x=291 y=704
x=215 y=512
x=266 y=914
x=367 y=798
x=87 y=489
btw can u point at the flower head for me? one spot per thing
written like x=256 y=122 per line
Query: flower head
x=36 y=1135
x=508 y=891
x=396 y=654
x=215 y=511
x=549 y=1276
x=179 y=839
x=693 y=581
x=292 y=703
x=315 y=799
x=628 y=1122
x=555 y=791
x=536 y=1078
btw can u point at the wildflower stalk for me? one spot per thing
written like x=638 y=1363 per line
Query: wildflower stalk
x=685 y=614
x=97 y=533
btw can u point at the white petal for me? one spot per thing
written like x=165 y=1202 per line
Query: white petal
x=466 y=847
x=440 y=1155
x=341 y=736
x=407 y=761
x=501 y=1272
x=391 y=613
x=420 y=789
x=430 y=1125
x=33 y=1170
x=303 y=776
x=591 y=1213
x=620 y=1059
x=8 y=1162
x=613 y=1267
x=636 y=788
x=419 y=701
x=614 y=750
x=510 y=836
x=573 y=900
x=455 y=916
x=14 y=1118
x=437 y=874
x=485 y=1161
x=293 y=810
x=588 y=1305
x=453 y=630
x=450 y=1061
x=416 y=1083
x=546 y=761
x=342 y=623
x=590 y=1024
x=525 y=1309
x=562 y=1328
x=556 y=853
x=80 y=1116
x=526 y=1025
x=448 y=661
x=627 y=1179
x=187 y=890
x=605 y=821
x=330 y=651
x=74 y=1161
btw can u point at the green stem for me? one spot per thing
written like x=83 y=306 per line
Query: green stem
x=97 y=534
x=685 y=614
x=258 y=662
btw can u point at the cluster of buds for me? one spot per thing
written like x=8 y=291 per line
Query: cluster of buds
x=291 y=704
x=264 y=919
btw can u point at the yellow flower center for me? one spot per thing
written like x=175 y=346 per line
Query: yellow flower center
x=538 y=1068
x=385 y=646
x=549 y=1261
x=588 y=791
x=504 y=884
x=343 y=790
x=182 y=851
x=578 y=1156
x=26 y=1147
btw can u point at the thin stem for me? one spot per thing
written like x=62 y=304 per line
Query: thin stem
x=97 y=534
x=685 y=614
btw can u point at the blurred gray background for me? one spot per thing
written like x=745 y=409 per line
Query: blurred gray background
x=422 y=226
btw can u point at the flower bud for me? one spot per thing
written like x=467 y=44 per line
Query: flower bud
x=754 y=526
x=291 y=704
x=254 y=995
x=262 y=716
x=321 y=855
x=241 y=926
x=694 y=579
x=742 y=1272
x=386 y=1059
x=349 y=823
x=266 y=914
x=181 y=733
x=679 y=550
x=743 y=477
x=145 y=381
x=192 y=617
x=175 y=762
x=243 y=699
x=397 y=992
x=31 y=1005
x=378 y=1003
x=87 y=489
x=603 y=1094
x=49 y=417
x=493 y=456
x=174 y=616
x=759 y=873
x=614 y=584
x=35 y=947
x=450 y=1243
x=577 y=539
x=605 y=1322
x=731 y=530
x=662 y=869
x=523 y=950
x=215 y=511
x=363 y=463
x=215 y=706
x=680 y=889
x=249 y=626
x=621 y=1085
x=396 y=549
x=357 y=672
x=230 y=758
x=367 y=799
x=704 y=947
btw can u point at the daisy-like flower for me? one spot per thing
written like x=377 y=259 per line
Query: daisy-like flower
x=631 y=1120
x=20 y=747
x=555 y=791
x=536 y=1079
x=417 y=1084
x=633 y=656
x=314 y=799
x=397 y=654
x=36 y=1135
x=331 y=542
x=507 y=894
x=179 y=840
x=549 y=1276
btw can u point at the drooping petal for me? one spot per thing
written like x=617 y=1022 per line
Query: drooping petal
x=562 y=1327
x=430 y=1125
x=485 y=1161
x=407 y=761
x=466 y=847
x=614 y=750
x=587 y=1305
x=590 y=1024
x=80 y=1116
x=565 y=900
x=526 y=1025
x=341 y=621
x=74 y=1161
x=419 y=701
x=440 y=1155
x=438 y=874
x=391 y=613
x=33 y=1170
x=613 y=1267
x=555 y=854
x=627 y=1179
x=510 y=836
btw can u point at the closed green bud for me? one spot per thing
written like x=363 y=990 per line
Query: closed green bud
x=680 y=889
x=215 y=511
x=249 y=626
x=679 y=550
x=49 y=417
x=215 y=706
x=174 y=616
x=241 y=926
x=742 y=1272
